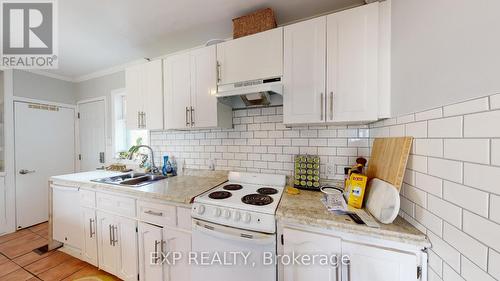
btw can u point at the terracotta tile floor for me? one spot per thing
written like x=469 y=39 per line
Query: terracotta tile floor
x=18 y=261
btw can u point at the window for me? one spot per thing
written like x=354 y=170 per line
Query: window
x=124 y=138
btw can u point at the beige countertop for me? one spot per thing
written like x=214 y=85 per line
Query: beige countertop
x=307 y=209
x=180 y=189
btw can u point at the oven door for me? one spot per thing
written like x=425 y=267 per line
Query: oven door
x=225 y=248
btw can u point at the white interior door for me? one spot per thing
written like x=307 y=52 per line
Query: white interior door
x=44 y=147
x=92 y=135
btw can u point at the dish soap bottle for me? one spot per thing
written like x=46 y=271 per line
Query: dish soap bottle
x=164 y=169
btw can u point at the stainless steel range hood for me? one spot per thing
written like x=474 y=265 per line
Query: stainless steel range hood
x=253 y=93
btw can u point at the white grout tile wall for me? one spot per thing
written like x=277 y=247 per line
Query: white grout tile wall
x=259 y=142
x=451 y=190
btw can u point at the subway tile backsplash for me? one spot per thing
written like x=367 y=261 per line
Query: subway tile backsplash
x=259 y=142
x=451 y=188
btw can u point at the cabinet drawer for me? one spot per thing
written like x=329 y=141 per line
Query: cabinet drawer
x=116 y=204
x=159 y=214
x=87 y=198
x=184 y=218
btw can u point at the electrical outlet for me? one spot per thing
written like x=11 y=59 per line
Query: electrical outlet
x=330 y=169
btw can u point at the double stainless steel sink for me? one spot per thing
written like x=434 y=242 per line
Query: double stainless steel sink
x=132 y=179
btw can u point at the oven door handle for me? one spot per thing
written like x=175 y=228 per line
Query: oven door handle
x=227 y=233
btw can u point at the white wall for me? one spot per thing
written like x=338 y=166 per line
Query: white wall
x=443 y=51
x=35 y=86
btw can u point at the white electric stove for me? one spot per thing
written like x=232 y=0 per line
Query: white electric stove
x=247 y=201
x=238 y=216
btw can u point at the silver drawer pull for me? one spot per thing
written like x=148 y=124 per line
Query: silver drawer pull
x=158 y=214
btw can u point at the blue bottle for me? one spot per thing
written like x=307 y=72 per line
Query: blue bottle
x=164 y=169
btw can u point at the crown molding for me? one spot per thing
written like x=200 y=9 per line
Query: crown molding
x=51 y=75
x=107 y=71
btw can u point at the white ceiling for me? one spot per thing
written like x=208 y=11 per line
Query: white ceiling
x=100 y=34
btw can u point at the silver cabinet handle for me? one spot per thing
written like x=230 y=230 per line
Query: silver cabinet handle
x=92 y=231
x=218 y=72
x=187 y=120
x=24 y=171
x=322 y=106
x=150 y=212
x=157 y=256
x=192 y=116
x=110 y=235
x=115 y=240
x=144 y=119
x=331 y=105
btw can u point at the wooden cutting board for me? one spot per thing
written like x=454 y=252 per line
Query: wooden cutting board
x=388 y=159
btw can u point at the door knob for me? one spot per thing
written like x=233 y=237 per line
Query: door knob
x=24 y=171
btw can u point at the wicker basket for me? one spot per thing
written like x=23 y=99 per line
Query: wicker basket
x=256 y=22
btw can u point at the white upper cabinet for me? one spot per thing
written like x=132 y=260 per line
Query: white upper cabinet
x=144 y=86
x=133 y=84
x=256 y=56
x=190 y=87
x=177 y=91
x=153 y=95
x=332 y=70
x=203 y=87
x=352 y=64
x=304 y=76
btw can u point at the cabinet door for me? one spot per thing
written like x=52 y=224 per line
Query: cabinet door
x=3 y=202
x=368 y=263
x=177 y=91
x=67 y=224
x=150 y=242
x=109 y=256
x=204 y=87
x=178 y=242
x=126 y=242
x=304 y=72
x=153 y=95
x=352 y=64
x=256 y=56
x=89 y=249
x=301 y=242
x=134 y=85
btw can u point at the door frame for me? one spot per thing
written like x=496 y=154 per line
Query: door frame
x=77 y=128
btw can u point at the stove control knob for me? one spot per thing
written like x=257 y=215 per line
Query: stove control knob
x=227 y=214
x=247 y=218
x=201 y=209
x=217 y=212
x=237 y=216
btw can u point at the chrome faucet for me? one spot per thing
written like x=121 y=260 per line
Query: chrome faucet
x=154 y=169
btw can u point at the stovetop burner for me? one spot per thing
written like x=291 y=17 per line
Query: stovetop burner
x=257 y=199
x=220 y=195
x=233 y=187
x=267 y=191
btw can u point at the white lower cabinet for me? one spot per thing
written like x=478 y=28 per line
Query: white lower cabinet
x=150 y=244
x=157 y=247
x=117 y=244
x=361 y=262
x=89 y=249
x=3 y=203
x=377 y=264
x=67 y=226
x=301 y=242
x=178 y=242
